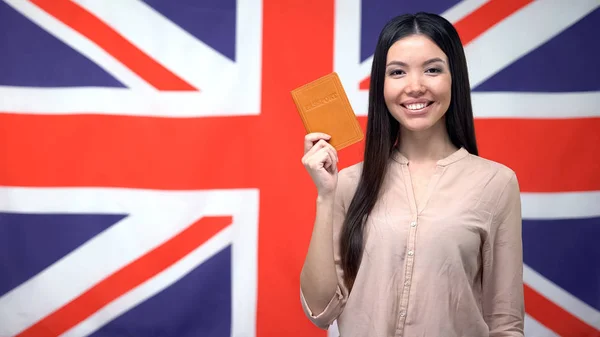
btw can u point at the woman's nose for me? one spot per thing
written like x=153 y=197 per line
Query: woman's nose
x=415 y=86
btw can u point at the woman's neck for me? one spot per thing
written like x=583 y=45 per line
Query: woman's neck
x=426 y=146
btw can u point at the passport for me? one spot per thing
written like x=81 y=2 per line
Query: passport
x=324 y=107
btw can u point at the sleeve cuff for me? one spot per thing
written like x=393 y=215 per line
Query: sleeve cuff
x=333 y=309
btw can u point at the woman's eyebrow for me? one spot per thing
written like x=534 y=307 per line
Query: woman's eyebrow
x=402 y=64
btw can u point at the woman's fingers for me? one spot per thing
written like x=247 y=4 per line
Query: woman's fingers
x=311 y=138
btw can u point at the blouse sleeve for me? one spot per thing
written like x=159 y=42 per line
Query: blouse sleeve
x=336 y=305
x=503 y=302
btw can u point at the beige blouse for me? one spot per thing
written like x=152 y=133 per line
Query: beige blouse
x=453 y=268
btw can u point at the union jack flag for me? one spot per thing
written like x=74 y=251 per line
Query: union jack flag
x=151 y=182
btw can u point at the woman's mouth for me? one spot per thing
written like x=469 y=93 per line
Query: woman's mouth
x=417 y=107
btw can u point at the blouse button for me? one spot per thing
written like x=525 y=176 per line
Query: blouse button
x=413 y=224
x=411 y=253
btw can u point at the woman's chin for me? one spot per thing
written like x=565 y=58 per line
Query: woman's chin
x=417 y=125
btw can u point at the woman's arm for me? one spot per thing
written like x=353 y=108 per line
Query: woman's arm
x=321 y=295
x=503 y=302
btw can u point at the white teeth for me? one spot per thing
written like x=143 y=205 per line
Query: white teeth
x=416 y=106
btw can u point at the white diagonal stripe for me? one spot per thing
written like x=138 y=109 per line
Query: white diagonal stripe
x=563 y=205
x=226 y=88
x=561 y=297
x=189 y=58
x=155 y=216
x=533 y=328
x=168 y=44
x=80 y=44
x=84 y=267
x=462 y=9
x=152 y=286
x=536 y=105
x=520 y=33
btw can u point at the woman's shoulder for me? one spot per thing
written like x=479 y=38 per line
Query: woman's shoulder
x=348 y=178
x=500 y=172
x=351 y=173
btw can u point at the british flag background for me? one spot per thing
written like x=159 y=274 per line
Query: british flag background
x=151 y=183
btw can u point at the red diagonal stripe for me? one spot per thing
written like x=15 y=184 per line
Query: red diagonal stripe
x=486 y=16
x=477 y=22
x=79 y=19
x=98 y=150
x=127 y=278
x=556 y=318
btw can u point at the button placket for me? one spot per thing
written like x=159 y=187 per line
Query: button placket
x=410 y=255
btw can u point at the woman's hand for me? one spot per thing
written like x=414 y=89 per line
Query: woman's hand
x=320 y=160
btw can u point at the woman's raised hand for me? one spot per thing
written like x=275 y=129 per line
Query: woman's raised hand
x=320 y=160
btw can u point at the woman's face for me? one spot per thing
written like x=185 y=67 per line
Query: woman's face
x=417 y=83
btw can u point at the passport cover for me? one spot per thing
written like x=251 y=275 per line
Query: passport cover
x=324 y=107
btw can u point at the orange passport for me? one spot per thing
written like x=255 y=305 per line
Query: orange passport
x=324 y=107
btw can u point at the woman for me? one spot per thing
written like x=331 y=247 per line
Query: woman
x=426 y=234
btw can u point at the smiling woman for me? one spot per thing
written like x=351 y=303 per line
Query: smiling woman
x=423 y=237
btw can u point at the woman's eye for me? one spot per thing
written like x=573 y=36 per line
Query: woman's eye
x=396 y=72
x=434 y=70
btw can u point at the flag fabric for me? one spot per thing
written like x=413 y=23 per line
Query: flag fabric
x=151 y=182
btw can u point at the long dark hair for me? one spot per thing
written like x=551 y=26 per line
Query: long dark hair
x=383 y=129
